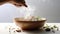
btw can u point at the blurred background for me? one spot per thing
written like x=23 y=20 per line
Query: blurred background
x=49 y=9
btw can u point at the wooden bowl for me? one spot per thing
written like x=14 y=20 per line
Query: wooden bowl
x=26 y=24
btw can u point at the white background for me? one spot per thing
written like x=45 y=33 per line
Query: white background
x=49 y=9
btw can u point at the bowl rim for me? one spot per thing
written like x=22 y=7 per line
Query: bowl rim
x=18 y=19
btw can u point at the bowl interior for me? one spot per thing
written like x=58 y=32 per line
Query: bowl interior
x=28 y=20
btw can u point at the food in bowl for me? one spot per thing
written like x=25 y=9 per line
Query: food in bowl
x=30 y=24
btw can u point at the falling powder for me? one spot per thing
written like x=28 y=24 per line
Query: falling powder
x=26 y=12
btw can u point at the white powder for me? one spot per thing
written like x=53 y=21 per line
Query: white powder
x=29 y=12
x=26 y=12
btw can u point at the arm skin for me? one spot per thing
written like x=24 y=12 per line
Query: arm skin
x=17 y=3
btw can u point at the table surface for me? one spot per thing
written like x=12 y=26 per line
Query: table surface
x=4 y=29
